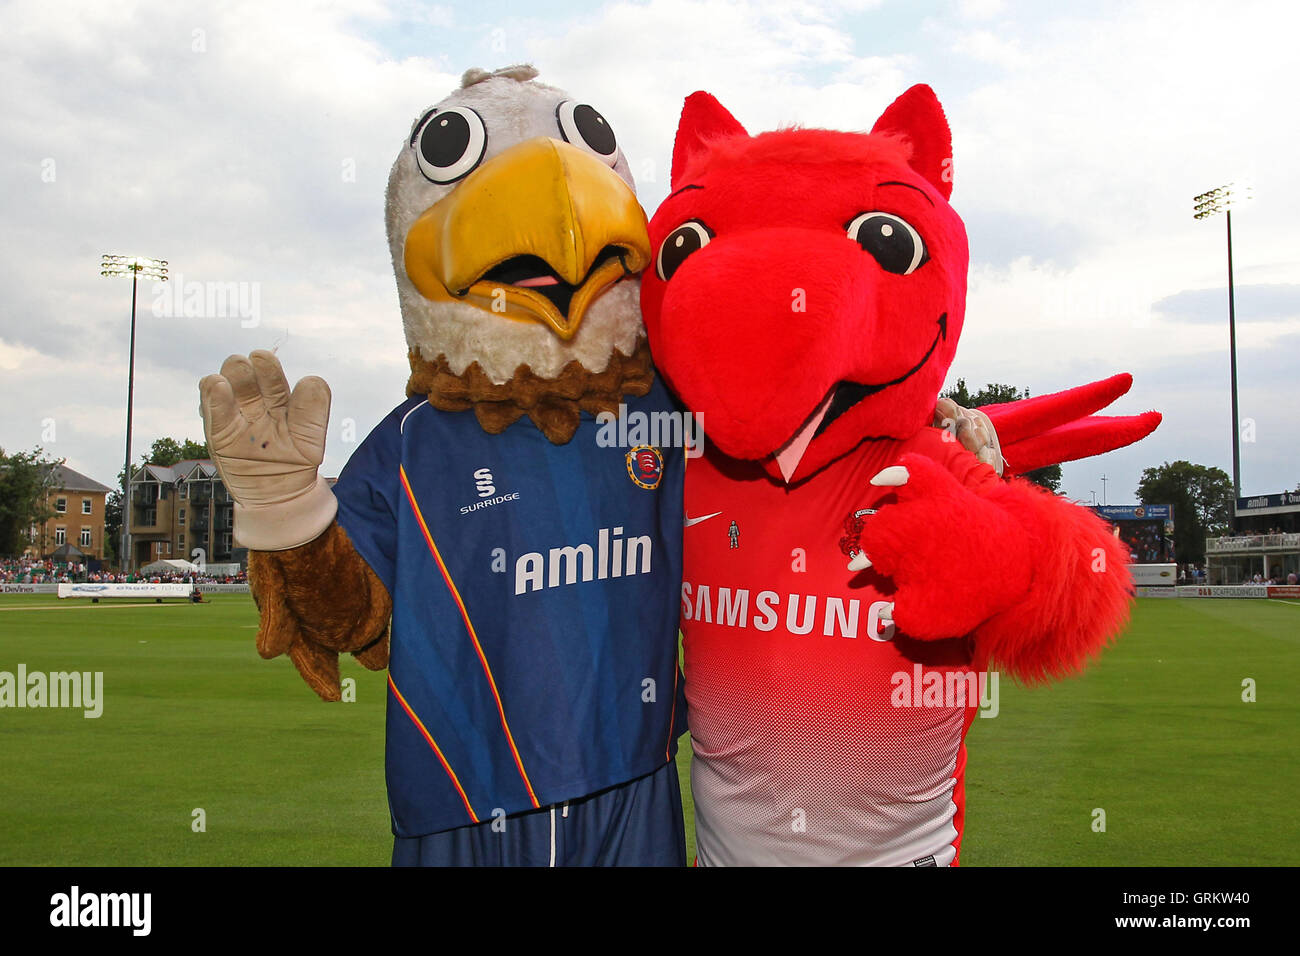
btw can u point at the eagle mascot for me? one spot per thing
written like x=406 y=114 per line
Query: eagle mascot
x=529 y=571
x=806 y=300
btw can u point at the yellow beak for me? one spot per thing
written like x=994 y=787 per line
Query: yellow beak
x=541 y=198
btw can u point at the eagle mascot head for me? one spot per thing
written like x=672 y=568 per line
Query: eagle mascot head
x=517 y=242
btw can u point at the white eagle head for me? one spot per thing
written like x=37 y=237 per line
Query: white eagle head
x=516 y=235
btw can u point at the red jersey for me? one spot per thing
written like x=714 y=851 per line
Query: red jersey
x=822 y=735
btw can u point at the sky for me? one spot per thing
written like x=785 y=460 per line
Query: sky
x=249 y=145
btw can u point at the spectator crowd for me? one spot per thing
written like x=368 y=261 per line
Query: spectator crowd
x=46 y=571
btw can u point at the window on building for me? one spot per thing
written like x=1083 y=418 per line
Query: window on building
x=180 y=543
x=185 y=490
x=60 y=535
x=85 y=506
x=61 y=505
x=150 y=516
x=85 y=537
x=182 y=516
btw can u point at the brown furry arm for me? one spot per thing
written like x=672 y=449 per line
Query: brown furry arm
x=317 y=601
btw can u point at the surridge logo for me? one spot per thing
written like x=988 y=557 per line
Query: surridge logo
x=485 y=485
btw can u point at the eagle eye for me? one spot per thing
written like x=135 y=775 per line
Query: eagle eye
x=449 y=144
x=582 y=126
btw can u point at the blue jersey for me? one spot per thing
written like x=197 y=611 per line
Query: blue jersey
x=535 y=598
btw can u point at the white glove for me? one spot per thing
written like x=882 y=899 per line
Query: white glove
x=973 y=429
x=267 y=445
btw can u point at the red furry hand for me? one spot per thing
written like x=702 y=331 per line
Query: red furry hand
x=955 y=558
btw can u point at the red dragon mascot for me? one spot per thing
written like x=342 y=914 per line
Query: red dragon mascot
x=851 y=572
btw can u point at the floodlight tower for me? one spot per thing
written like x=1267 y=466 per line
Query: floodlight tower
x=135 y=267
x=1221 y=200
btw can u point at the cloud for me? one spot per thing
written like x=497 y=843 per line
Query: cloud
x=250 y=143
x=1252 y=303
x=245 y=143
x=1193 y=394
x=1001 y=237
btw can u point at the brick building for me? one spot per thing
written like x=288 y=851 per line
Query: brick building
x=78 y=521
x=179 y=509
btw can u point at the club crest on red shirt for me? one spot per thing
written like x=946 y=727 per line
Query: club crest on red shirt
x=853 y=525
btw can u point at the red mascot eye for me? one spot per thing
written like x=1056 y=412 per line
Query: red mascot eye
x=891 y=241
x=691 y=236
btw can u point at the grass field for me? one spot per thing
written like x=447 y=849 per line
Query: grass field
x=1156 y=735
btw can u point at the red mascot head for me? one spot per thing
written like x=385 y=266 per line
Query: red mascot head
x=808 y=286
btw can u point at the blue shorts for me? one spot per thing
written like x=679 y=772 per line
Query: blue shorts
x=638 y=823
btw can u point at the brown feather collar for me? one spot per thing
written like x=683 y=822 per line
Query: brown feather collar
x=553 y=404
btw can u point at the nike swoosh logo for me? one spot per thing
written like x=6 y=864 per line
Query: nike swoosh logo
x=690 y=521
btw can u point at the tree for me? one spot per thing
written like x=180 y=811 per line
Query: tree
x=1203 y=500
x=168 y=451
x=26 y=479
x=990 y=394
x=112 y=525
x=994 y=394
